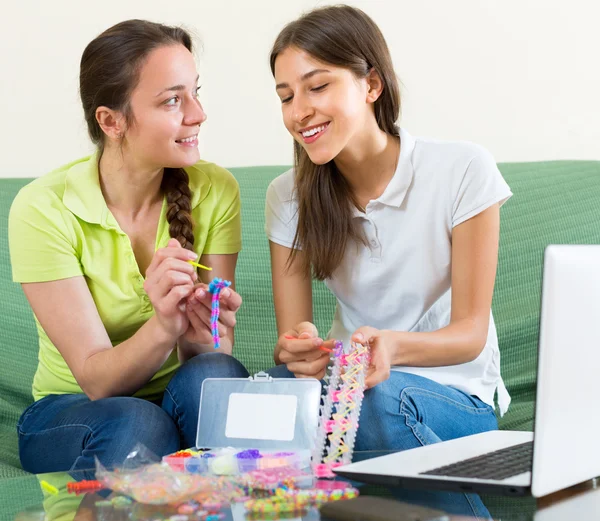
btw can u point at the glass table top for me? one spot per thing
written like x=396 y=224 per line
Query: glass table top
x=24 y=499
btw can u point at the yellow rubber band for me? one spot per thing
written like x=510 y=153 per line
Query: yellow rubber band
x=51 y=489
x=200 y=265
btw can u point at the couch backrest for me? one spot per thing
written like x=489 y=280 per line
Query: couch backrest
x=554 y=202
x=18 y=338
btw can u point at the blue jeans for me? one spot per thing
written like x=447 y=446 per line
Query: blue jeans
x=66 y=432
x=408 y=411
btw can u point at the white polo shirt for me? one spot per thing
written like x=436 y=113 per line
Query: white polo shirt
x=401 y=281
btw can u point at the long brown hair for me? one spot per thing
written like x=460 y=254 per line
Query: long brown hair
x=109 y=72
x=342 y=36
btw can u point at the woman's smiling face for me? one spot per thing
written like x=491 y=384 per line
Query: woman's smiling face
x=324 y=107
x=166 y=111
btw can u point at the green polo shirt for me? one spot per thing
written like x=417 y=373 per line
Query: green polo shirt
x=60 y=227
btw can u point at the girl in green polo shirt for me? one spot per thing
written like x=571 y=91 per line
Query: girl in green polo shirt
x=101 y=247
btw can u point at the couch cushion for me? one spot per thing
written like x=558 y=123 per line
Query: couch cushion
x=554 y=203
x=18 y=343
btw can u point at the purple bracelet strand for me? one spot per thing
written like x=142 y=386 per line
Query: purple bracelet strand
x=215 y=288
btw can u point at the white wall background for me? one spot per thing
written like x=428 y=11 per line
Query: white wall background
x=520 y=77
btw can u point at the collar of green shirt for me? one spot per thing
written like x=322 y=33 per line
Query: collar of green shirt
x=83 y=195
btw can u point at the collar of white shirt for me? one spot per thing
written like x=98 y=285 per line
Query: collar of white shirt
x=397 y=188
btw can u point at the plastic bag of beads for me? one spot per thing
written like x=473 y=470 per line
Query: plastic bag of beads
x=159 y=484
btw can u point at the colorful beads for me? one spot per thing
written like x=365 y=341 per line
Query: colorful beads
x=289 y=500
x=230 y=462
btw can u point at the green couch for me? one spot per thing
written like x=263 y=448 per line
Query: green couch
x=554 y=202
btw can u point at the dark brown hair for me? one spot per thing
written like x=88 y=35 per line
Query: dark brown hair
x=109 y=72
x=342 y=36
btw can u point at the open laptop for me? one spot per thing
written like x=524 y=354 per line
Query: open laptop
x=567 y=415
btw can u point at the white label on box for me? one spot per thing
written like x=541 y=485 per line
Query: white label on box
x=261 y=416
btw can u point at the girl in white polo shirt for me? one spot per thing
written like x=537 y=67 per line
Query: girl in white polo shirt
x=404 y=232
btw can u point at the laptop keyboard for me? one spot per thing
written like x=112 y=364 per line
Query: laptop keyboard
x=497 y=465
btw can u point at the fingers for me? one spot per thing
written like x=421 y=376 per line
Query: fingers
x=314 y=369
x=177 y=258
x=305 y=330
x=168 y=281
x=227 y=315
x=227 y=318
x=298 y=348
x=328 y=345
x=376 y=376
x=169 y=278
x=170 y=302
x=197 y=323
x=173 y=250
x=315 y=355
x=380 y=367
x=230 y=300
x=321 y=374
x=364 y=334
x=203 y=315
x=201 y=293
x=297 y=342
x=170 y=274
x=302 y=349
x=202 y=332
